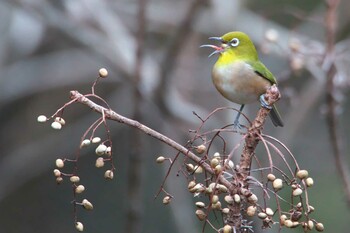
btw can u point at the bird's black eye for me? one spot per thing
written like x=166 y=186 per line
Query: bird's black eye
x=234 y=42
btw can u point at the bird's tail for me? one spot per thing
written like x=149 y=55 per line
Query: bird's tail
x=276 y=117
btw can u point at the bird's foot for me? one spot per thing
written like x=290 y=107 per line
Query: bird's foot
x=263 y=102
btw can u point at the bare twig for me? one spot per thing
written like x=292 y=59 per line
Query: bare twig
x=111 y=115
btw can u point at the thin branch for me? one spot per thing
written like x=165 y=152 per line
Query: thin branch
x=111 y=115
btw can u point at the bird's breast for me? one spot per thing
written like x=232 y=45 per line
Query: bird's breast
x=238 y=82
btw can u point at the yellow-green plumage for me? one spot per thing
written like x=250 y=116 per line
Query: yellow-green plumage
x=238 y=73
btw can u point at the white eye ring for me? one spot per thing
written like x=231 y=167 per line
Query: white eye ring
x=234 y=42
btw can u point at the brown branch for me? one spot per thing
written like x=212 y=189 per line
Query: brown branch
x=239 y=185
x=112 y=115
x=253 y=135
x=252 y=139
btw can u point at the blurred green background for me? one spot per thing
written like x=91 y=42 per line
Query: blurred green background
x=48 y=48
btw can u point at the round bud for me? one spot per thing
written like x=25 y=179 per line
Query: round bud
x=218 y=169
x=79 y=189
x=56 y=125
x=229 y=199
x=222 y=188
x=201 y=149
x=216 y=206
x=57 y=172
x=160 y=159
x=227 y=229
x=299 y=205
x=189 y=167
x=166 y=200
x=253 y=199
x=311 y=209
x=198 y=169
x=269 y=212
x=212 y=186
x=87 y=205
x=216 y=155
x=237 y=198
x=277 y=184
x=101 y=149
x=59 y=180
x=60 y=120
x=214 y=162
x=85 y=143
x=99 y=162
x=309 y=182
x=297 y=192
x=201 y=215
x=59 y=163
x=79 y=226
x=41 y=119
x=302 y=174
x=283 y=218
x=225 y=210
x=229 y=164
x=109 y=175
x=96 y=140
x=108 y=151
x=200 y=204
x=262 y=215
x=191 y=184
x=251 y=210
x=103 y=73
x=310 y=225
x=74 y=179
x=214 y=199
x=198 y=188
x=319 y=227
x=288 y=223
x=271 y=177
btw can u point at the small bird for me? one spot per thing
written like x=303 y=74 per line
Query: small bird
x=239 y=75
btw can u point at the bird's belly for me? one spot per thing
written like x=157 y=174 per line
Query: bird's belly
x=239 y=83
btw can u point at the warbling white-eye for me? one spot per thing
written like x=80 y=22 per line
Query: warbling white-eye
x=239 y=75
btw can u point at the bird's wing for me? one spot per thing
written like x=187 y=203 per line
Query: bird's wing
x=261 y=70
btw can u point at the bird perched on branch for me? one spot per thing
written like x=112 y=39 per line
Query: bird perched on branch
x=239 y=75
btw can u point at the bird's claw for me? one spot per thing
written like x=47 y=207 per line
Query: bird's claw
x=263 y=102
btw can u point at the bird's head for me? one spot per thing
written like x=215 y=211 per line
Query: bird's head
x=234 y=45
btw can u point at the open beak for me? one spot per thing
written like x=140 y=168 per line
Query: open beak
x=218 y=49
